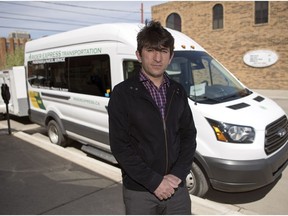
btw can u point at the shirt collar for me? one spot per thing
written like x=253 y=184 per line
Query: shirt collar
x=144 y=78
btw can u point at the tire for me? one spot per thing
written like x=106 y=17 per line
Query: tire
x=196 y=181
x=55 y=135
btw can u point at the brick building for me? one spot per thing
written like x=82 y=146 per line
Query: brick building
x=230 y=29
x=8 y=45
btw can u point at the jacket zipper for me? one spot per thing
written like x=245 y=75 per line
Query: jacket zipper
x=165 y=133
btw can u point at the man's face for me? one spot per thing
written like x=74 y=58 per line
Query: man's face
x=154 y=61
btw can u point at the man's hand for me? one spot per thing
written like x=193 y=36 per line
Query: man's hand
x=167 y=187
x=173 y=180
x=164 y=190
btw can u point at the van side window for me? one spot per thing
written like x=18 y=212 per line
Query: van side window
x=47 y=75
x=90 y=75
x=85 y=74
x=130 y=67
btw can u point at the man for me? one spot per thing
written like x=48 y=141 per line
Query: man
x=152 y=132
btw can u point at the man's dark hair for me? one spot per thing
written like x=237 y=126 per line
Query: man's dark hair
x=154 y=35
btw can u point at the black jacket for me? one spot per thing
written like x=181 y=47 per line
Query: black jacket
x=146 y=146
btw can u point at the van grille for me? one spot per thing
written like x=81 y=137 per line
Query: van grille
x=276 y=135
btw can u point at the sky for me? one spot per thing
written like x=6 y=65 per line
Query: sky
x=44 y=18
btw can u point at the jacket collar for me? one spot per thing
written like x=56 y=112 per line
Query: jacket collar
x=138 y=88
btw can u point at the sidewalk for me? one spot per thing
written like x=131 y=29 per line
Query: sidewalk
x=37 y=177
x=273 y=94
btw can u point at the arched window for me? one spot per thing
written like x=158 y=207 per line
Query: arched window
x=173 y=21
x=218 y=16
x=261 y=12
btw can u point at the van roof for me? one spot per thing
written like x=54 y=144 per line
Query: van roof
x=118 y=32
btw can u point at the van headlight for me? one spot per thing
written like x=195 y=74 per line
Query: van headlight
x=232 y=133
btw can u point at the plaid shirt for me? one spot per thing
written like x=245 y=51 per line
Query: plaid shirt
x=158 y=94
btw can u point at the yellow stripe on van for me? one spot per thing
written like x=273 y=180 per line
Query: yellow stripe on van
x=36 y=100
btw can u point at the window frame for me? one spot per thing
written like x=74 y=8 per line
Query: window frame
x=263 y=12
x=174 y=21
x=217 y=17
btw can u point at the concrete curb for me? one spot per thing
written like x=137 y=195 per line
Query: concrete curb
x=202 y=206
x=102 y=168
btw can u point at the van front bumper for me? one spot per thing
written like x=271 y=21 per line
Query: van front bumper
x=240 y=176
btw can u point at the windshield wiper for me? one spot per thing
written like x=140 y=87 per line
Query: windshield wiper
x=240 y=94
x=204 y=99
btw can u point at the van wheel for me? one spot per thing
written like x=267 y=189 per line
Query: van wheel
x=55 y=134
x=196 y=181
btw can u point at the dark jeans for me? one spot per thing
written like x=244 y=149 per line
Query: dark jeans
x=145 y=203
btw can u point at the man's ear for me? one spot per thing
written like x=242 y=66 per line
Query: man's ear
x=138 y=56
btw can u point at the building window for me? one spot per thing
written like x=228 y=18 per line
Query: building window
x=174 y=22
x=218 y=16
x=261 y=12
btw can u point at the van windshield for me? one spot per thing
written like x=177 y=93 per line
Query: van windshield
x=203 y=78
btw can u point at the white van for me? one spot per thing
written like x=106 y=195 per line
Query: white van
x=16 y=80
x=242 y=136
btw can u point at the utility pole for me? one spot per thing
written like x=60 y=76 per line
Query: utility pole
x=142 y=13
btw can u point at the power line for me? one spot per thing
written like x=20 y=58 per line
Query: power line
x=94 y=8
x=59 y=6
x=36 y=29
x=45 y=17
x=43 y=21
x=67 y=11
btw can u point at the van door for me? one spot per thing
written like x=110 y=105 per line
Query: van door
x=90 y=82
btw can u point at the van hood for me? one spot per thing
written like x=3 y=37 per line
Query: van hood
x=254 y=110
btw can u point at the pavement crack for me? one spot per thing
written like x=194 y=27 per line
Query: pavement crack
x=74 y=200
